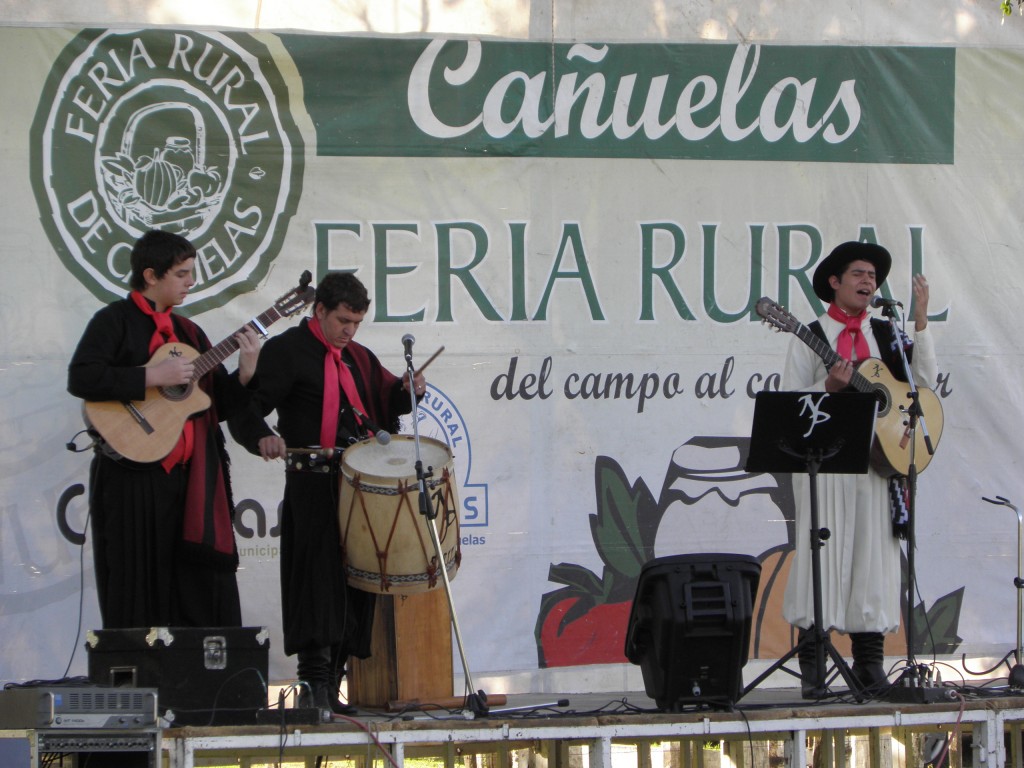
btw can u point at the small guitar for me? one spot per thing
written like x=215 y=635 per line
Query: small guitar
x=890 y=454
x=147 y=430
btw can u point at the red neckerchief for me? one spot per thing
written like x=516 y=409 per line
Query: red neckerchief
x=207 y=532
x=206 y=528
x=335 y=373
x=850 y=338
x=164 y=327
x=164 y=334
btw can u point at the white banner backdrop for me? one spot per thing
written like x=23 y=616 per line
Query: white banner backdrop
x=600 y=356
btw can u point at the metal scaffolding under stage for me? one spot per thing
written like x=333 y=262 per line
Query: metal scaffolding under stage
x=980 y=733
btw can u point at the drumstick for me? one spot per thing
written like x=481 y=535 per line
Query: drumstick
x=322 y=452
x=432 y=358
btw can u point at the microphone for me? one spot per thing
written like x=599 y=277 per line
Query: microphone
x=879 y=303
x=383 y=436
x=407 y=342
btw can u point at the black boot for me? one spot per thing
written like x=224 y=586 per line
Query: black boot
x=810 y=686
x=868 y=659
x=314 y=665
x=338 y=659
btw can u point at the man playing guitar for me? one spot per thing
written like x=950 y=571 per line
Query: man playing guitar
x=860 y=564
x=163 y=542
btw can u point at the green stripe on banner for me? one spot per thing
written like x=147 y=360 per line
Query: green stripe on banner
x=713 y=101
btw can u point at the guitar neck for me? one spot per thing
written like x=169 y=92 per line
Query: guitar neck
x=830 y=357
x=214 y=356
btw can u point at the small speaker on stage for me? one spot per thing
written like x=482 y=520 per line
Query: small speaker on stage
x=689 y=628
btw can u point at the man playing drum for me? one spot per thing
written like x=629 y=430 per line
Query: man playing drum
x=329 y=392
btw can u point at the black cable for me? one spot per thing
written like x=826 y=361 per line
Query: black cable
x=93 y=468
x=214 y=709
x=927 y=621
x=69 y=682
x=81 y=573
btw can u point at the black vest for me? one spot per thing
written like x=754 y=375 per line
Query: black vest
x=886 y=340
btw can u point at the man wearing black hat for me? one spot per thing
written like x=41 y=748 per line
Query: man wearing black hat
x=860 y=564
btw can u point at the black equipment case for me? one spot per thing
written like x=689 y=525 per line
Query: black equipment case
x=203 y=675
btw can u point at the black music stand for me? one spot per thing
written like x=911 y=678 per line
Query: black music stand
x=813 y=432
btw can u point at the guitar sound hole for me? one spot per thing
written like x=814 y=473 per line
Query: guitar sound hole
x=882 y=396
x=177 y=392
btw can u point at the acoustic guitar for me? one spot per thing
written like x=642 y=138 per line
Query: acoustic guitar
x=890 y=453
x=147 y=430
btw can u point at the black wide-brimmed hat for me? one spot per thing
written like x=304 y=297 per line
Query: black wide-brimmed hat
x=844 y=253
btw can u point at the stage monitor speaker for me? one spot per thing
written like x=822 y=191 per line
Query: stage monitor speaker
x=689 y=628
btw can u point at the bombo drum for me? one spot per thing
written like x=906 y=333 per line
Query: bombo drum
x=387 y=546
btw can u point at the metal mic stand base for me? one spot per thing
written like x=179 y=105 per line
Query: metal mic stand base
x=477 y=703
x=1017 y=676
x=821 y=688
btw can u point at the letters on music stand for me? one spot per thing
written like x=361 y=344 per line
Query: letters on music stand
x=791 y=428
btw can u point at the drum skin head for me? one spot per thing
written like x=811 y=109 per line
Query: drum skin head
x=387 y=543
x=396 y=460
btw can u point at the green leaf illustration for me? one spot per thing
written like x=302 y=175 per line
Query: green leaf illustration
x=619 y=525
x=935 y=631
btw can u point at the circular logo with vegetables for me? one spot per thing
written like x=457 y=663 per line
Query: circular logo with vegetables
x=160 y=129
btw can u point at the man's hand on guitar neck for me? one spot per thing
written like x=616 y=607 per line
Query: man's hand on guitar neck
x=248 y=353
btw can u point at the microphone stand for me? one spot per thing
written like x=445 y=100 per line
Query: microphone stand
x=476 y=700
x=915 y=418
x=1016 y=677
